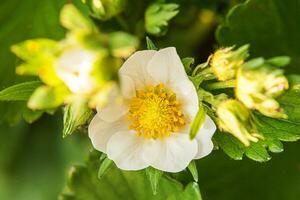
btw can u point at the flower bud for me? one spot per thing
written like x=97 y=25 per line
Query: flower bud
x=235 y=118
x=226 y=61
x=257 y=87
x=105 y=9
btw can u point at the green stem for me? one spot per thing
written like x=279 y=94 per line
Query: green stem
x=221 y=85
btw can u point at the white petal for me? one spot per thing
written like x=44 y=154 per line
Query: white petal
x=100 y=131
x=74 y=67
x=166 y=66
x=127 y=86
x=187 y=95
x=204 y=135
x=135 y=67
x=130 y=151
x=174 y=153
x=115 y=108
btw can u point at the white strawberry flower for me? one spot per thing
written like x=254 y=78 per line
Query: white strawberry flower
x=74 y=67
x=149 y=125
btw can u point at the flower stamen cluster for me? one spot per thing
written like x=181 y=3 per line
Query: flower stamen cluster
x=155 y=112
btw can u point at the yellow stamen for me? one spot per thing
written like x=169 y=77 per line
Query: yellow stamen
x=155 y=112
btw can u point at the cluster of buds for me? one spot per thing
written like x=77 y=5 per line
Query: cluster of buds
x=83 y=65
x=259 y=87
x=256 y=83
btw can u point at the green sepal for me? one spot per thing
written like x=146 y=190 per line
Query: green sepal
x=154 y=176
x=187 y=63
x=198 y=121
x=105 y=165
x=279 y=61
x=192 y=167
x=76 y=114
x=150 y=44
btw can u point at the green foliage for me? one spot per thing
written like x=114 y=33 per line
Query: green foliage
x=157 y=17
x=29 y=21
x=276 y=179
x=76 y=114
x=83 y=183
x=19 y=92
x=270 y=26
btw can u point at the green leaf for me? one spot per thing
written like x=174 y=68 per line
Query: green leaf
x=278 y=178
x=29 y=21
x=198 y=121
x=105 y=165
x=230 y=145
x=76 y=114
x=157 y=17
x=193 y=169
x=122 y=44
x=154 y=177
x=270 y=26
x=47 y=97
x=72 y=19
x=257 y=152
x=150 y=44
x=83 y=183
x=19 y=92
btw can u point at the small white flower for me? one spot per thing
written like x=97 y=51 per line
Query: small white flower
x=74 y=67
x=150 y=125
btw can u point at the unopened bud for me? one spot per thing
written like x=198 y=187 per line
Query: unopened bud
x=236 y=119
x=226 y=61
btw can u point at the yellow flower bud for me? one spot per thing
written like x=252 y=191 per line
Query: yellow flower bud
x=257 y=88
x=236 y=119
x=226 y=61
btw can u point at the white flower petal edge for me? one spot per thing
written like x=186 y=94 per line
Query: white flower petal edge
x=203 y=137
x=131 y=151
x=174 y=153
x=135 y=67
x=100 y=131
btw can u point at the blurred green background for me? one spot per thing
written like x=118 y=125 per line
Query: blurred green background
x=34 y=158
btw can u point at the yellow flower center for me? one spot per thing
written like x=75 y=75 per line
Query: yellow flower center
x=155 y=112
